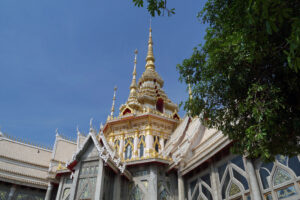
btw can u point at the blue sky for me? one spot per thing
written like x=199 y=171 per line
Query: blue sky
x=60 y=60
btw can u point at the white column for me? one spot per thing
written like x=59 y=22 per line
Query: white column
x=117 y=187
x=75 y=180
x=12 y=192
x=214 y=182
x=100 y=181
x=149 y=141
x=149 y=144
x=152 y=186
x=254 y=187
x=135 y=145
x=59 y=192
x=162 y=143
x=49 y=191
x=121 y=146
x=180 y=186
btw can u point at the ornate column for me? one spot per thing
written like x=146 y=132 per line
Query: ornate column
x=180 y=186
x=121 y=146
x=49 y=191
x=149 y=140
x=135 y=145
x=12 y=192
x=254 y=187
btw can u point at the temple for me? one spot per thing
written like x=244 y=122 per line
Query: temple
x=146 y=151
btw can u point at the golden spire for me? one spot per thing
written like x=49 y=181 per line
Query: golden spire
x=113 y=104
x=133 y=85
x=150 y=57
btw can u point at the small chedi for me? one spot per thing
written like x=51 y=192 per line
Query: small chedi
x=145 y=152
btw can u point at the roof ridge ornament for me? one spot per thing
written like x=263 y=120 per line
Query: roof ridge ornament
x=101 y=127
x=91 y=125
x=77 y=129
x=56 y=132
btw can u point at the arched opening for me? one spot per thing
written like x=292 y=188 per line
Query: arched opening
x=126 y=111
x=160 y=105
x=141 y=145
x=128 y=148
x=157 y=146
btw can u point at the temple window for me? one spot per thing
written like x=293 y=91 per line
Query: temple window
x=135 y=192
x=87 y=180
x=160 y=105
x=141 y=145
x=128 y=148
x=163 y=191
x=116 y=145
x=23 y=193
x=4 y=191
x=66 y=188
x=280 y=179
x=233 y=179
x=199 y=187
x=66 y=193
x=156 y=144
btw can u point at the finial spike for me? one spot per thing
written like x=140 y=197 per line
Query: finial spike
x=133 y=85
x=101 y=126
x=56 y=131
x=91 y=123
x=77 y=129
x=113 y=104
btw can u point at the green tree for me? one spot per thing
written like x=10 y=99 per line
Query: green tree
x=245 y=78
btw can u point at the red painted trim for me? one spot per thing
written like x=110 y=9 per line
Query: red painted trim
x=70 y=166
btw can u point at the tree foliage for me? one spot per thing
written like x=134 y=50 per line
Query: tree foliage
x=245 y=78
x=158 y=7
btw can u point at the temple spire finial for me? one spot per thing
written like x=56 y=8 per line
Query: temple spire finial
x=113 y=104
x=133 y=85
x=150 y=57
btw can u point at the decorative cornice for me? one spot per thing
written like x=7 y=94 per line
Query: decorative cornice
x=24 y=161
x=22 y=180
x=21 y=174
x=23 y=142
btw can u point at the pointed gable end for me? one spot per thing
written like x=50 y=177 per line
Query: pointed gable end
x=92 y=148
